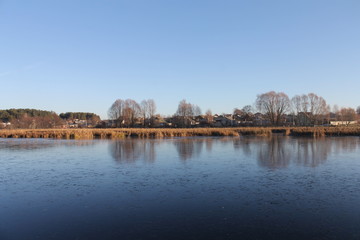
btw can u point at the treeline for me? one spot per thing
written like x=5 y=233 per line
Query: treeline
x=29 y=118
x=11 y=114
x=40 y=119
x=79 y=116
x=270 y=109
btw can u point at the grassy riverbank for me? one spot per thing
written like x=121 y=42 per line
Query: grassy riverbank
x=115 y=133
x=188 y=132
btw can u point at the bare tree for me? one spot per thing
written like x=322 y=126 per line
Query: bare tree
x=131 y=112
x=148 y=110
x=318 y=108
x=295 y=109
x=196 y=110
x=125 y=113
x=144 y=106
x=310 y=108
x=237 y=112
x=300 y=107
x=209 y=117
x=347 y=115
x=186 y=111
x=247 y=109
x=296 y=104
x=116 y=112
x=273 y=105
x=247 y=113
x=151 y=111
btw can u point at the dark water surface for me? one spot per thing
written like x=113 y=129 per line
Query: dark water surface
x=192 y=188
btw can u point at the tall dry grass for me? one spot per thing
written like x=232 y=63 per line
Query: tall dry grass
x=115 y=133
x=130 y=132
x=325 y=131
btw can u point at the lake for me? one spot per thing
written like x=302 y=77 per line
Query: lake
x=182 y=188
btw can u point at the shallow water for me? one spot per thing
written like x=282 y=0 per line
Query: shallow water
x=186 y=188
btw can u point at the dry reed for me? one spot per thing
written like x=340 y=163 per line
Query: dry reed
x=116 y=133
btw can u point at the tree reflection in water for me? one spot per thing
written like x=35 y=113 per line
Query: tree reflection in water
x=273 y=153
x=244 y=144
x=346 y=144
x=312 y=152
x=188 y=148
x=279 y=152
x=131 y=150
x=208 y=144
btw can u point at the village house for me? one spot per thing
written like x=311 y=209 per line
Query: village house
x=342 y=123
x=76 y=123
x=201 y=121
x=225 y=120
x=260 y=120
x=289 y=120
x=243 y=120
x=5 y=124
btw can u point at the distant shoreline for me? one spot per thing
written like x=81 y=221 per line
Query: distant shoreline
x=119 y=133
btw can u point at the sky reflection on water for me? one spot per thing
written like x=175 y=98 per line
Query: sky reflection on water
x=184 y=188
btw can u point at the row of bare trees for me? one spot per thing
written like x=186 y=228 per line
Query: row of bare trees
x=127 y=112
x=310 y=106
x=307 y=109
x=275 y=107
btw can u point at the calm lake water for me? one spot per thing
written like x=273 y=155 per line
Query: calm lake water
x=188 y=188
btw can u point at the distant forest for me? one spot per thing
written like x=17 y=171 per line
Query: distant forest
x=33 y=118
x=11 y=114
x=79 y=115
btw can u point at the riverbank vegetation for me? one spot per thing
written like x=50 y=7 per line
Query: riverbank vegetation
x=269 y=109
x=118 y=133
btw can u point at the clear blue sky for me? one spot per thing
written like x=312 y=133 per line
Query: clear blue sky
x=74 y=55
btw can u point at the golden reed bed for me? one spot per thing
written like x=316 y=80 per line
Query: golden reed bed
x=117 y=133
